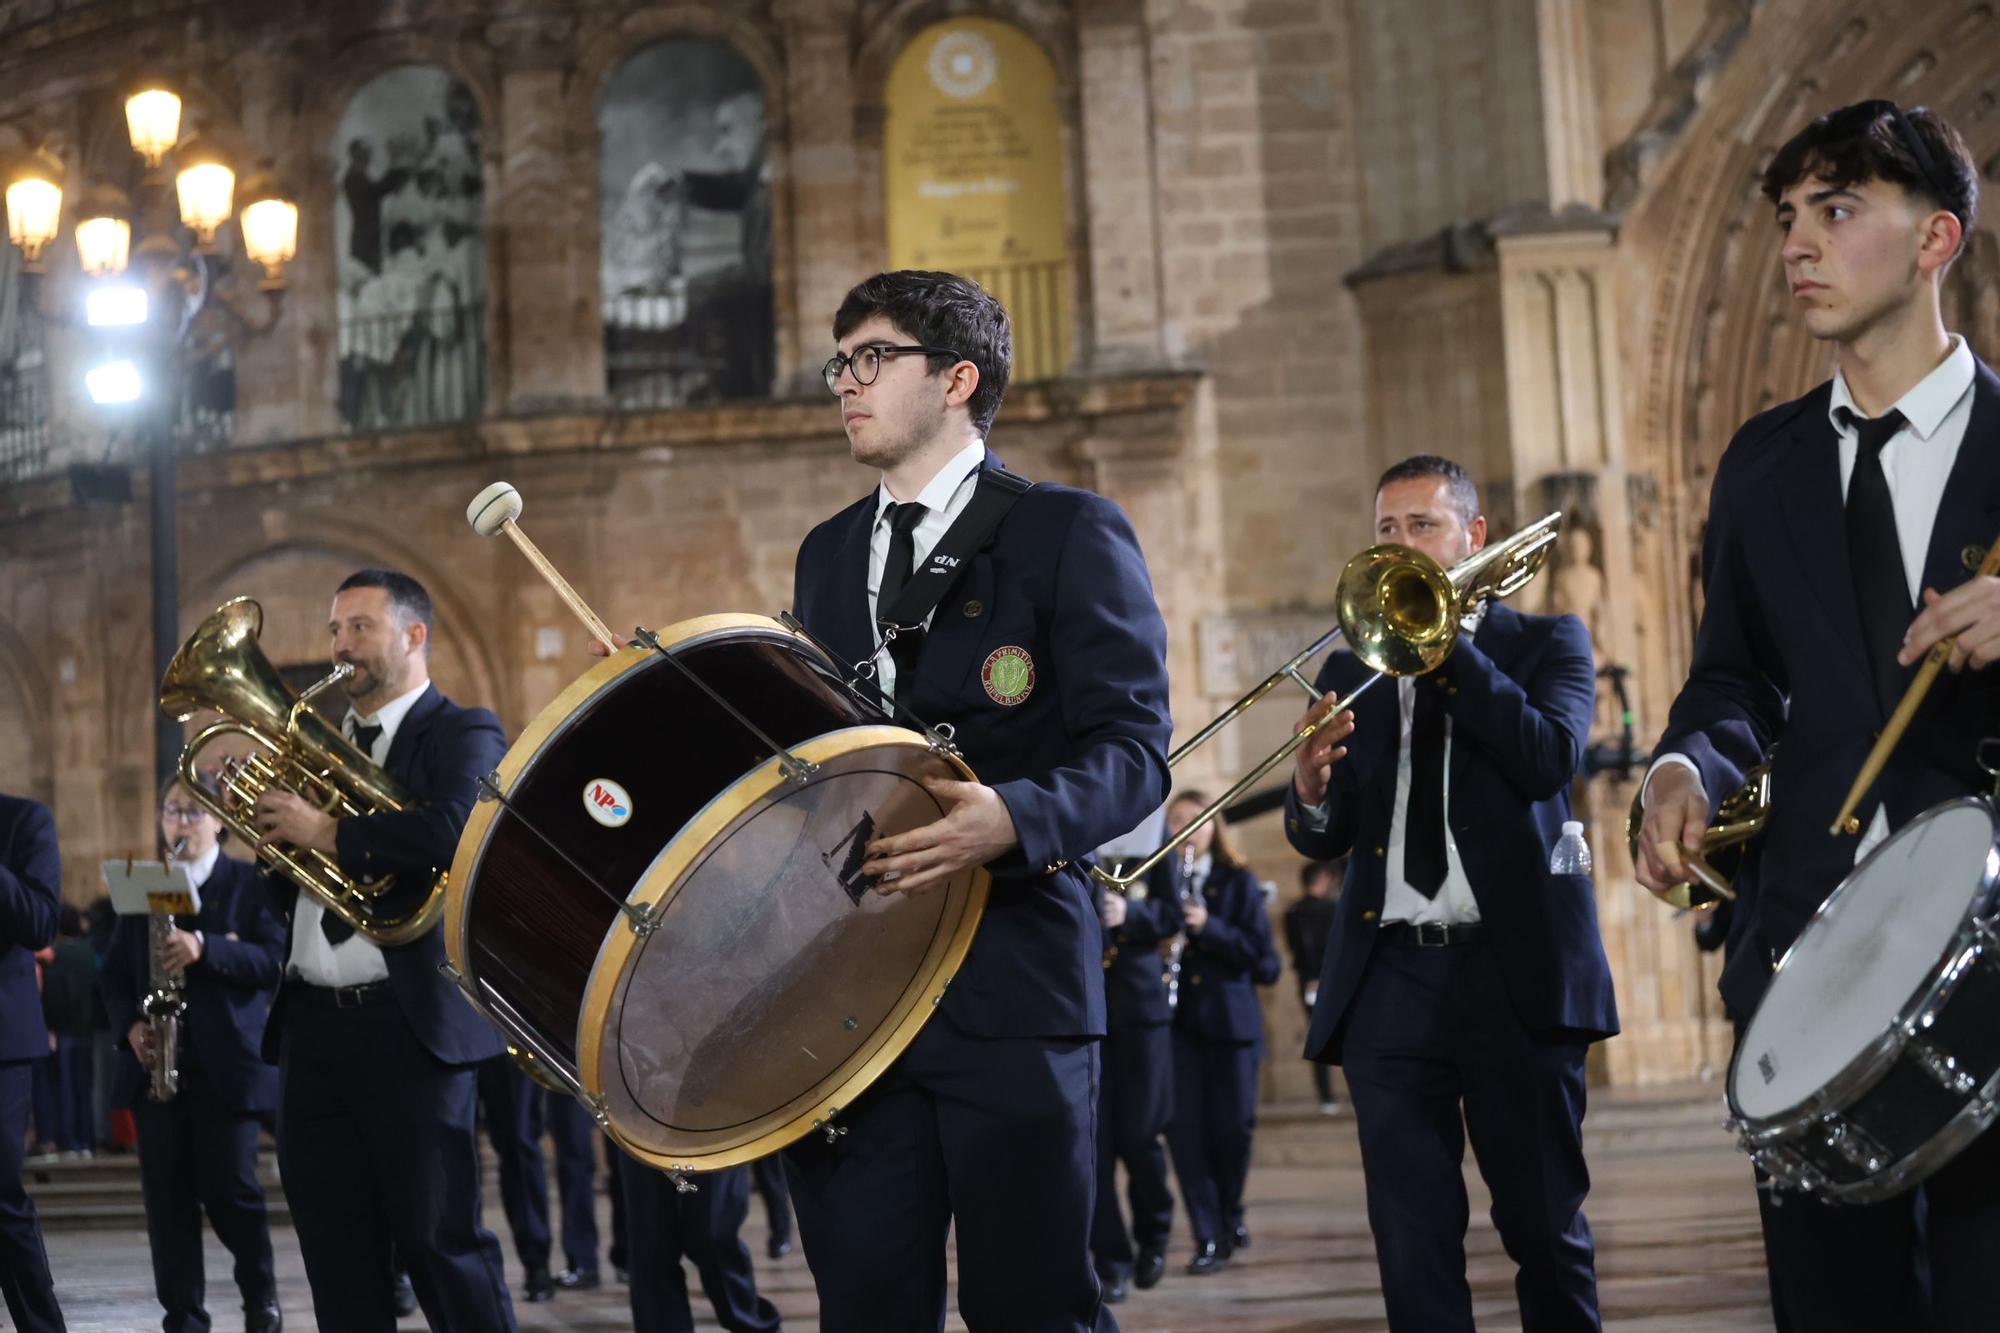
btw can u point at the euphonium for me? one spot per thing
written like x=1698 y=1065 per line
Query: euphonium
x=164 y=1004
x=292 y=749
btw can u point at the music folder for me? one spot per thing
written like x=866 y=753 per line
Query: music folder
x=140 y=888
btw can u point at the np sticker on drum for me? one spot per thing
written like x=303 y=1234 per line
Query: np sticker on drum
x=607 y=802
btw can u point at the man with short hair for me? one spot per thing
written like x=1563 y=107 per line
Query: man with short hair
x=1464 y=980
x=1831 y=564
x=198 y=1150
x=1041 y=646
x=375 y=1047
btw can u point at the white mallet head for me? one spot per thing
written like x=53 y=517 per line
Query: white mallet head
x=493 y=508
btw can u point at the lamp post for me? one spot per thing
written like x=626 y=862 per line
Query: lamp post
x=152 y=320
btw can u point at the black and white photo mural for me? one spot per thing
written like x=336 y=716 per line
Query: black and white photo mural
x=685 y=206
x=410 y=252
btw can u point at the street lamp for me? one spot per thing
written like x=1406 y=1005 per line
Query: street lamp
x=146 y=336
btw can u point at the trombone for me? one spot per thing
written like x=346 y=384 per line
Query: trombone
x=1399 y=611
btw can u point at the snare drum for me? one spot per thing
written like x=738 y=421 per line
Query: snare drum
x=669 y=918
x=1874 y=1057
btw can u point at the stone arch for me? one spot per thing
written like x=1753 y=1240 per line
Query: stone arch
x=330 y=89
x=464 y=649
x=602 y=53
x=1053 y=29
x=1721 y=342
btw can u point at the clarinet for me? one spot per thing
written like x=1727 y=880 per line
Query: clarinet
x=1179 y=945
x=165 y=1003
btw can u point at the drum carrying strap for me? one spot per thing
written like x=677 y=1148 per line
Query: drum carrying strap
x=993 y=495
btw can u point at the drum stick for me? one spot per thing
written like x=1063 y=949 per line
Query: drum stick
x=493 y=511
x=1899 y=721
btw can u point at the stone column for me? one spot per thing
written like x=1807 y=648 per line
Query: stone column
x=1119 y=196
x=1561 y=310
x=546 y=337
x=828 y=253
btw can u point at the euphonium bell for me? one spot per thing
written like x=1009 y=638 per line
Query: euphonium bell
x=293 y=749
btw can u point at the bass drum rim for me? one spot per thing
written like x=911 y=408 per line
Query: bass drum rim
x=1869 y=1065
x=658 y=887
x=521 y=756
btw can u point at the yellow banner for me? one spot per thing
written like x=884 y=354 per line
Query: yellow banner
x=974 y=176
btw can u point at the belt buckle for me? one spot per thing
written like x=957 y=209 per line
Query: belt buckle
x=349 y=997
x=1433 y=934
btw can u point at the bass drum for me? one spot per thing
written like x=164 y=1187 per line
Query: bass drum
x=1874 y=1056
x=673 y=927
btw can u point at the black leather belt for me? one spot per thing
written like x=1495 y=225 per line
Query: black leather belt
x=1431 y=934
x=340 y=997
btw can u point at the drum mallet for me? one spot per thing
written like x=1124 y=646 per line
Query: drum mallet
x=493 y=511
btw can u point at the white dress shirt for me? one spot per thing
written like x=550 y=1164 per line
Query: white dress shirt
x=944 y=497
x=203 y=866
x=1454 y=903
x=356 y=960
x=1916 y=462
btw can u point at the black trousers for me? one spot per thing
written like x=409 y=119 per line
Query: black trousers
x=1322 y=1073
x=768 y=1174
x=1214 y=1122
x=512 y=1106
x=1921 y=1262
x=25 y=1283
x=997 y=1136
x=666 y=1226
x=1431 y=1038
x=574 y=1136
x=1135 y=1102
x=198 y=1155
x=376 y=1145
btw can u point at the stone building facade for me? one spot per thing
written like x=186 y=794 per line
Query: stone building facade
x=1304 y=238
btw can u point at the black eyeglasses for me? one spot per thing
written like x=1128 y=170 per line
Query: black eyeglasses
x=866 y=363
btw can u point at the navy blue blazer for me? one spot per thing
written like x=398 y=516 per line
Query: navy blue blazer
x=1226 y=960
x=228 y=991
x=1135 y=984
x=1519 y=694
x=30 y=898
x=440 y=752
x=1779 y=660
x=1079 y=761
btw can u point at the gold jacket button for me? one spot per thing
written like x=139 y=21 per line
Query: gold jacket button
x=1381 y=851
x=1370 y=915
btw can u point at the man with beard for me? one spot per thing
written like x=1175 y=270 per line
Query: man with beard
x=375 y=1050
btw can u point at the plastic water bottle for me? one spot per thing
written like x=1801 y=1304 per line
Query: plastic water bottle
x=1572 y=853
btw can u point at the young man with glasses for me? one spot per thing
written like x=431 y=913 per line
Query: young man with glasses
x=198 y=1151
x=1034 y=635
x=1832 y=562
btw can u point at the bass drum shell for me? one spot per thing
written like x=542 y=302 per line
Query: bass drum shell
x=671 y=925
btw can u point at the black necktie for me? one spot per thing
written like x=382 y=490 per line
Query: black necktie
x=1423 y=830
x=1875 y=557
x=896 y=571
x=364 y=736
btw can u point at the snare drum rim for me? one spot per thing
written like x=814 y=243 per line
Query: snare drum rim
x=1875 y=1059
x=675 y=860
x=547 y=726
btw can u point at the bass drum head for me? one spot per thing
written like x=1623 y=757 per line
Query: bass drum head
x=1866 y=954
x=774 y=986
